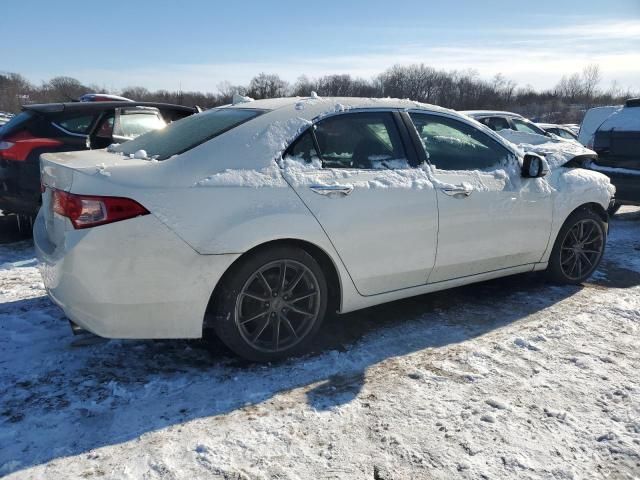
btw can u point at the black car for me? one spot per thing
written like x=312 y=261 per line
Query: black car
x=59 y=127
x=617 y=143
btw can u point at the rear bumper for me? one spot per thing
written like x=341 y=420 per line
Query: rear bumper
x=130 y=279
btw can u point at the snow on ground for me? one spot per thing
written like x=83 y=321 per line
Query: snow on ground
x=512 y=378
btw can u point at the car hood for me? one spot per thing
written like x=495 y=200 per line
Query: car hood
x=557 y=152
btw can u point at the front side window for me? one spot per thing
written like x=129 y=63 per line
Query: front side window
x=454 y=145
x=188 y=133
x=79 y=124
x=526 y=127
x=132 y=125
x=367 y=140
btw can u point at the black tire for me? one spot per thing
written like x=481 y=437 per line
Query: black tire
x=243 y=295
x=575 y=256
x=613 y=209
x=25 y=225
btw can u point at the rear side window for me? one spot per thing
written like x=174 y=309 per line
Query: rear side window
x=132 y=125
x=368 y=140
x=79 y=124
x=496 y=123
x=188 y=133
x=17 y=123
x=304 y=148
x=454 y=145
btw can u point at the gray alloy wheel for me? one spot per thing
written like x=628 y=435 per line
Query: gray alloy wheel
x=579 y=247
x=270 y=304
x=582 y=249
x=278 y=306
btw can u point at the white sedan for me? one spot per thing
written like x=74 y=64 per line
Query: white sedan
x=254 y=220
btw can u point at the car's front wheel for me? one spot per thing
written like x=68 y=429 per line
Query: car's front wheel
x=579 y=248
x=271 y=304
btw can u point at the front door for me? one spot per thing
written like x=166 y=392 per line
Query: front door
x=377 y=209
x=490 y=217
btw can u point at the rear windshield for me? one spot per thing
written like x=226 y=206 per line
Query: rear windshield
x=187 y=133
x=17 y=122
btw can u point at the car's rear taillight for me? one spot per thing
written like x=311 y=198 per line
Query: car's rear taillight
x=18 y=146
x=86 y=211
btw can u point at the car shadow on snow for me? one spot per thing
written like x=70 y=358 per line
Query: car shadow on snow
x=65 y=400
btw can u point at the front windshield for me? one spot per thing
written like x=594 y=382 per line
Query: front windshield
x=187 y=133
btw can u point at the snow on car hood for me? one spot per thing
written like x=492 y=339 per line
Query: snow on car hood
x=557 y=152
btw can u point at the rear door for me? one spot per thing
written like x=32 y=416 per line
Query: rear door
x=490 y=217
x=377 y=208
x=102 y=134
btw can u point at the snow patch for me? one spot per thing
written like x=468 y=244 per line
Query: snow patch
x=237 y=98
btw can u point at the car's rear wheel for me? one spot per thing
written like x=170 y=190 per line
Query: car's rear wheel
x=271 y=304
x=579 y=248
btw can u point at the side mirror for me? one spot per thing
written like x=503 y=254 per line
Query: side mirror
x=534 y=166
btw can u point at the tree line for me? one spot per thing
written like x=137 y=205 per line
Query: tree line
x=460 y=90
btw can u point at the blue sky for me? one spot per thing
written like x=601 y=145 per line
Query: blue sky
x=198 y=44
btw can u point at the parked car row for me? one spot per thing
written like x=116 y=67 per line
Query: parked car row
x=612 y=135
x=61 y=127
x=255 y=220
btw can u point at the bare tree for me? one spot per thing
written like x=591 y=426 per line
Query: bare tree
x=266 y=85
x=454 y=89
x=140 y=94
x=591 y=79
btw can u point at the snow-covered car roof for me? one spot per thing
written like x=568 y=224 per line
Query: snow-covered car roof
x=626 y=119
x=489 y=113
x=259 y=142
x=308 y=107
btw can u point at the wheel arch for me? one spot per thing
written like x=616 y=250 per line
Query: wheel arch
x=327 y=264
x=594 y=207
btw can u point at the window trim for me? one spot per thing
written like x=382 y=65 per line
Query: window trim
x=489 y=133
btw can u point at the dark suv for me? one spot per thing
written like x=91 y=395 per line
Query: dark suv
x=59 y=127
x=617 y=142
